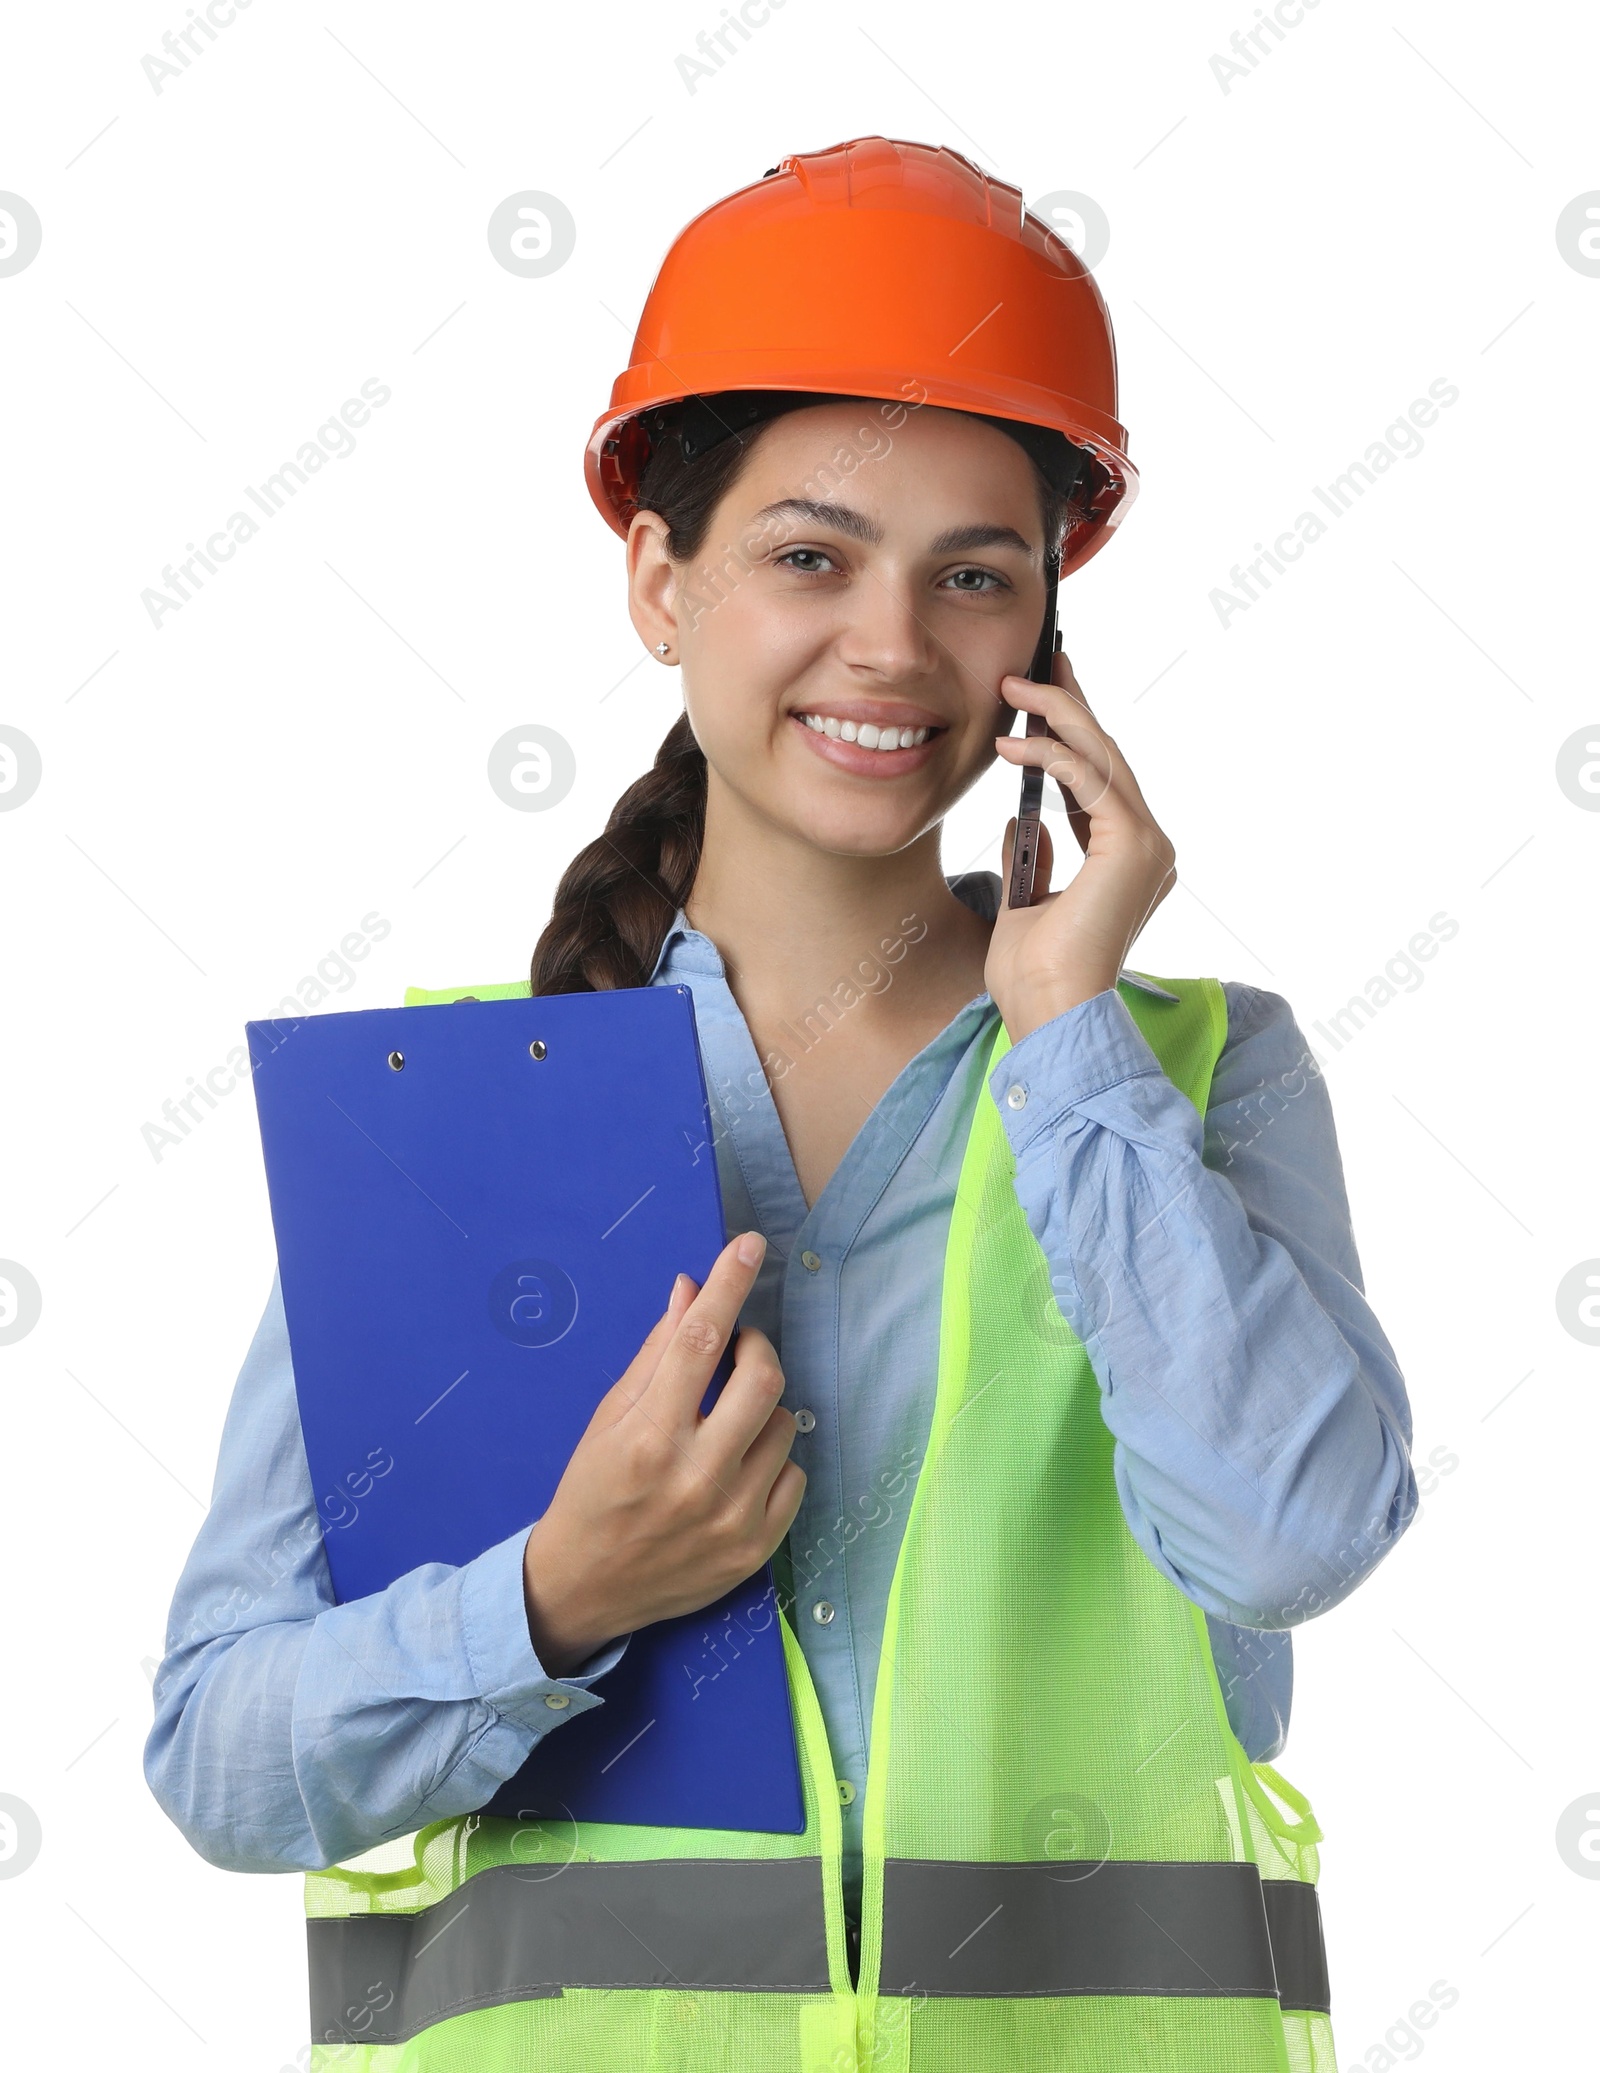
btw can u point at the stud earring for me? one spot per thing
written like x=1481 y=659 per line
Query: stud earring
x=661 y=647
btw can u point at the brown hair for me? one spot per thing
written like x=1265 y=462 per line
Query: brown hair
x=619 y=895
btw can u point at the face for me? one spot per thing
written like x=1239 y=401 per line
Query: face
x=854 y=577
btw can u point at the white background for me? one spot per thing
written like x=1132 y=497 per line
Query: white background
x=1373 y=207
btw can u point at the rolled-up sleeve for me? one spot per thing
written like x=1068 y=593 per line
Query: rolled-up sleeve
x=292 y=1732
x=1262 y=1430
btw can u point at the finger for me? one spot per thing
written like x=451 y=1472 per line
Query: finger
x=1023 y=694
x=1062 y=677
x=1061 y=707
x=1076 y=729
x=784 y=1500
x=1078 y=818
x=1070 y=783
x=1107 y=786
x=702 y=1334
x=1044 y=862
x=1065 y=711
x=1075 y=725
x=626 y=1392
x=767 y=1451
x=1081 y=766
x=743 y=1409
x=1087 y=791
x=766 y=1465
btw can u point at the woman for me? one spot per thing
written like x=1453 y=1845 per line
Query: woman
x=1056 y=1400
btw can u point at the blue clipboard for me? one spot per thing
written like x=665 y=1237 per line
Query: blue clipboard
x=479 y=1210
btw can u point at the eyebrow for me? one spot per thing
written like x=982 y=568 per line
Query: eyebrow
x=841 y=518
x=961 y=539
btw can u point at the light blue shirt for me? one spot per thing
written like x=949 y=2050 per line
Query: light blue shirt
x=1260 y=1421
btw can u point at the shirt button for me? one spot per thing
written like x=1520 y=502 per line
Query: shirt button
x=847 y=1793
x=810 y=1262
x=822 y=1612
x=1016 y=1096
x=804 y=1421
x=558 y=1699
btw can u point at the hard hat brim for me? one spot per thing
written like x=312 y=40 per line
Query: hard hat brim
x=639 y=389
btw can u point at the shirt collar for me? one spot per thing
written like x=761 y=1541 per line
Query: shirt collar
x=685 y=951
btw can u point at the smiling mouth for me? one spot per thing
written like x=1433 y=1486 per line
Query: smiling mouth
x=882 y=740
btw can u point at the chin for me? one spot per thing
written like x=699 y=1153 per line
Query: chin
x=849 y=832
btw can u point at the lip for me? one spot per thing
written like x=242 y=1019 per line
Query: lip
x=860 y=762
x=878 y=712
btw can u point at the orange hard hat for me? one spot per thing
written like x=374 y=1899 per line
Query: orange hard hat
x=879 y=269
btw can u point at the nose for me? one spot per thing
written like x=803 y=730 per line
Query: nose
x=885 y=636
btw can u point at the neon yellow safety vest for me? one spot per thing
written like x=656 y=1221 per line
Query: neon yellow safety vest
x=1068 y=1860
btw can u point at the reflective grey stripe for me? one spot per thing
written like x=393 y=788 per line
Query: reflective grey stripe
x=1294 y=1921
x=997 y=1929
x=523 y=1932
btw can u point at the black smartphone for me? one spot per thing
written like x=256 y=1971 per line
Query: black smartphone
x=1025 y=850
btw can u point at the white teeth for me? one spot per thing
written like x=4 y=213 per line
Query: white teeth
x=865 y=733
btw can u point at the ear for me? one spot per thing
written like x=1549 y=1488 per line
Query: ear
x=652 y=581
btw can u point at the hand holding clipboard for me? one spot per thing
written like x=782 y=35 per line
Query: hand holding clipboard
x=479 y=1204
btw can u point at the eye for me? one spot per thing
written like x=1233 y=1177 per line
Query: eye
x=987 y=581
x=814 y=561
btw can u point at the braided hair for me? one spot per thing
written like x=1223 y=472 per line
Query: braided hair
x=618 y=897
